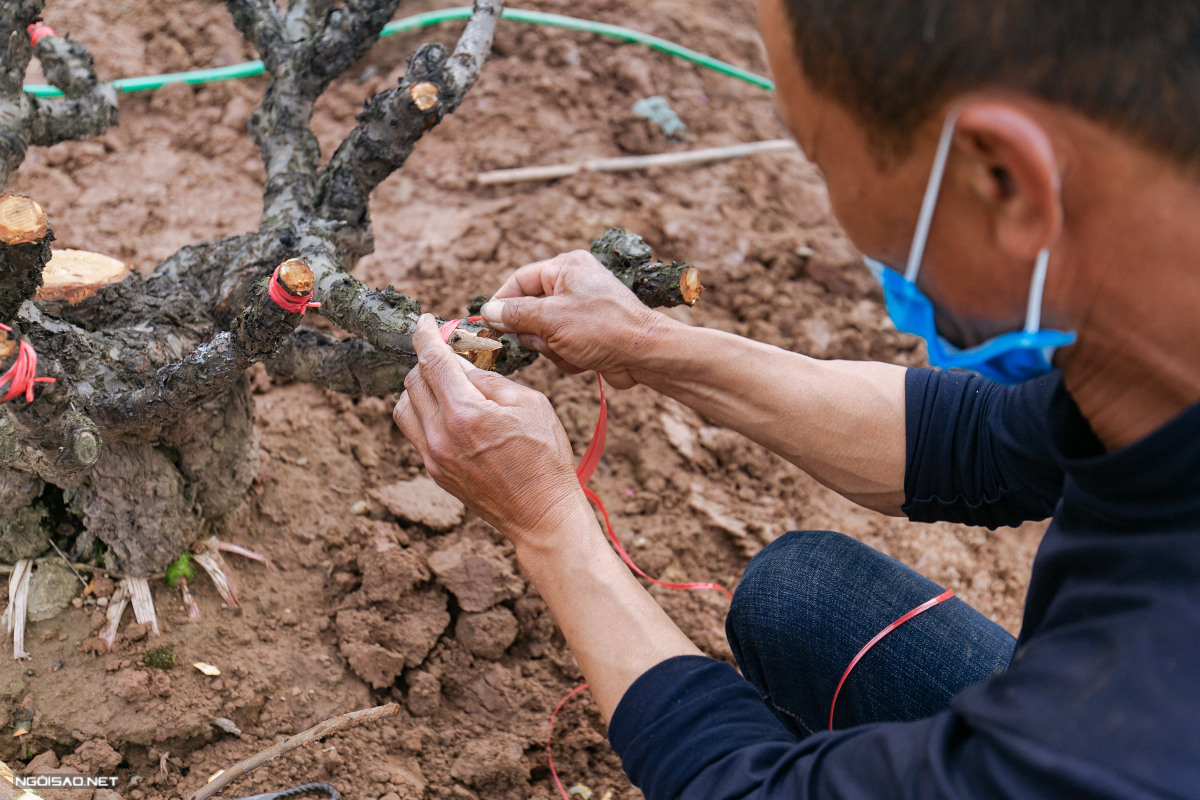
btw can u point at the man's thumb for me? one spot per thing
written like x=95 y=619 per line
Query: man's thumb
x=513 y=315
x=495 y=387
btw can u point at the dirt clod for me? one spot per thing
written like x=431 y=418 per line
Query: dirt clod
x=95 y=756
x=477 y=573
x=489 y=633
x=424 y=694
x=421 y=501
x=491 y=763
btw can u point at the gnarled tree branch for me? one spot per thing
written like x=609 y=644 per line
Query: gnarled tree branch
x=349 y=366
x=88 y=109
x=392 y=122
x=254 y=335
x=345 y=36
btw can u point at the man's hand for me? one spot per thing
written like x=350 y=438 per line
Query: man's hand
x=576 y=313
x=492 y=443
x=500 y=449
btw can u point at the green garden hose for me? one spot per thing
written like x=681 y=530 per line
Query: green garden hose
x=419 y=21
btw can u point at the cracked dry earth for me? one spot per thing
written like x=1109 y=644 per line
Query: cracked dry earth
x=387 y=590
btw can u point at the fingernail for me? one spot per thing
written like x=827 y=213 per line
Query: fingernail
x=493 y=312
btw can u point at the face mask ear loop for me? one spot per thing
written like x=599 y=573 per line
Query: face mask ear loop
x=1033 y=314
x=925 y=219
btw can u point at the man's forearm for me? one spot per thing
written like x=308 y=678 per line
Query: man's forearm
x=614 y=627
x=840 y=421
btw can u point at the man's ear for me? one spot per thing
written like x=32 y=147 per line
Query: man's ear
x=1011 y=168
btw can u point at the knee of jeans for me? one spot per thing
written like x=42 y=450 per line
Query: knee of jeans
x=797 y=560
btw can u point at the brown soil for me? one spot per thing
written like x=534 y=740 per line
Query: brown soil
x=373 y=602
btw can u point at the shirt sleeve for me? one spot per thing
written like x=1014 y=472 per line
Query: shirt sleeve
x=978 y=452
x=691 y=727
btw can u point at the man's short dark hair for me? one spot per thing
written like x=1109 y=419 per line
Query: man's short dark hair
x=1133 y=65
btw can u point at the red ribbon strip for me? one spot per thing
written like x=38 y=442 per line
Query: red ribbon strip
x=587 y=466
x=37 y=30
x=921 y=609
x=22 y=372
x=290 y=304
x=550 y=738
x=449 y=326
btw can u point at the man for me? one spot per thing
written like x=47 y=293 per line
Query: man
x=1065 y=143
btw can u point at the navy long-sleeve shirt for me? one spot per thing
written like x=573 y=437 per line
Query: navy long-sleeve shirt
x=1102 y=698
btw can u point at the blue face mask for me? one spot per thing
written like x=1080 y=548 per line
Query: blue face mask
x=1009 y=358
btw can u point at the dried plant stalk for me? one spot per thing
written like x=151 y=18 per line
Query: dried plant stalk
x=143 y=602
x=116 y=607
x=189 y=600
x=228 y=547
x=18 y=600
x=215 y=566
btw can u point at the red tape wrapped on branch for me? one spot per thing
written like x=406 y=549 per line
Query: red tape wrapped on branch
x=22 y=373
x=37 y=30
x=290 y=304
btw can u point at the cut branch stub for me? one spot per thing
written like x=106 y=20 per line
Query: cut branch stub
x=657 y=284
x=424 y=95
x=296 y=277
x=22 y=220
x=74 y=275
x=24 y=250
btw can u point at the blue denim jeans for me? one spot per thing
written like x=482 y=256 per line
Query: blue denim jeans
x=809 y=602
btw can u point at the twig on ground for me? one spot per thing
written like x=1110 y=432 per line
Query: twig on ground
x=69 y=564
x=628 y=163
x=313 y=734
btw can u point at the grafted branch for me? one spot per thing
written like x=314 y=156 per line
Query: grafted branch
x=353 y=366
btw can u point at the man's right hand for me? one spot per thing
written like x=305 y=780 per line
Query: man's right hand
x=578 y=314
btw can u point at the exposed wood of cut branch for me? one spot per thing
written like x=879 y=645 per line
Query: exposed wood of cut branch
x=315 y=733
x=72 y=275
x=480 y=349
x=22 y=220
x=629 y=163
